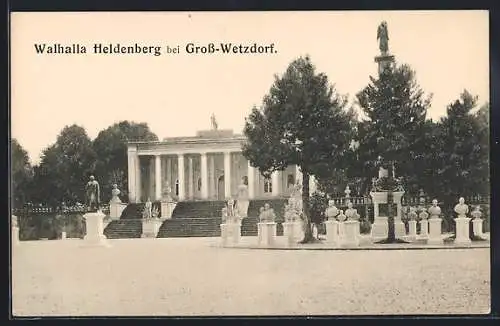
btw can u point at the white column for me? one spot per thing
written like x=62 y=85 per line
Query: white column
x=131 y=155
x=275 y=180
x=204 y=176
x=157 y=177
x=227 y=174
x=298 y=174
x=169 y=172
x=151 y=188
x=211 y=184
x=138 y=183
x=312 y=184
x=180 y=175
x=190 y=178
x=251 y=181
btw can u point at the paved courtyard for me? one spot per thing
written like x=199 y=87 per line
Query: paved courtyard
x=191 y=276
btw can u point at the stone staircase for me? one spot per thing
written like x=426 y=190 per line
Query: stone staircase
x=124 y=229
x=198 y=209
x=190 y=227
x=134 y=210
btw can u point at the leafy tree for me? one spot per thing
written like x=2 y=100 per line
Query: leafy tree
x=302 y=121
x=391 y=136
x=464 y=156
x=21 y=174
x=65 y=167
x=110 y=146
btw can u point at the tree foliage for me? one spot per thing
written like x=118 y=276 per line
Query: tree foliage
x=64 y=168
x=302 y=121
x=110 y=146
x=395 y=108
x=21 y=174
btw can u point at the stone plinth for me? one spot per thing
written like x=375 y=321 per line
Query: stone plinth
x=462 y=230
x=293 y=232
x=477 y=227
x=380 y=228
x=435 y=236
x=424 y=229
x=332 y=232
x=242 y=207
x=230 y=232
x=63 y=235
x=95 y=229
x=15 y=235
x=412 y=230
x=350 y=236
x=266 y=233
x=167 y=208
x=116 y=209
x=150 y=227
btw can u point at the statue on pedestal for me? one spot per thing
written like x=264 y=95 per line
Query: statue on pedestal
x=434 y=210
x=331 y=211
x=147 y=213
x=351 y=213
x=167 y=193
x=114 y=194
x=461 y=208
x=230 y=208
x=383 y=38
x=262 y=216
x=267 y=213
x=92 y=191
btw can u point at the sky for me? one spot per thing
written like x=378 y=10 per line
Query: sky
x=175 y=94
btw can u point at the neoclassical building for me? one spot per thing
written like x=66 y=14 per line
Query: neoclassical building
x=208 y=166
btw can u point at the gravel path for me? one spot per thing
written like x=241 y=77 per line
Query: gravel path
x=190 y=276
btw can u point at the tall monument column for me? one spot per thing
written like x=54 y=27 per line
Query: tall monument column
x=180 y=175
x=158 y=177
x=138 y=177
x=251 y=181
x=168 y=172
x=227 y=174
x=204 y=176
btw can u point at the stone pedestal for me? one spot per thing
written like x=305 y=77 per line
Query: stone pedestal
x=266 y=234
x=116 y=209
x=424 y=229
x=412 y=230
x=15 y=235
x=435 y=236
x=292 y=231
x=242 y=207
x=380 y=228
x=167 y=208
x=399 y=229
x=332 y=232
x=462 y=230
x=230 y=233
x=477 y=227
x=63 y=235
x=350 y=236
x=95 y=229
x=150 y=227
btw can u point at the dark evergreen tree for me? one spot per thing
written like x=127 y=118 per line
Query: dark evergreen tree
x=21 y=174
x=302 y=121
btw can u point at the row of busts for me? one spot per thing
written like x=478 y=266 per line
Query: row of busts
x=333 y=213
x=434 y=211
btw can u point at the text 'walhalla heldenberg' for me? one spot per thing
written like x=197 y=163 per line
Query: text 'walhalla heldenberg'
x=155 y=50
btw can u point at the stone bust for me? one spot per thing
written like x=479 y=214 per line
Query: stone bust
x=434 y=210
x=262 y=214
x=351 y=213
x=269 y=213
x=461 y=208
x=341 y=217
x=331 y=211
x=423 y=215
x=476 y=213
x=114 y=194
x=412 y=215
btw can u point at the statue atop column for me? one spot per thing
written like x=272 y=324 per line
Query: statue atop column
x=383 y=38
x=92 y=192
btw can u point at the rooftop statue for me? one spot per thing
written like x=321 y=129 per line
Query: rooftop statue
x=213 y=122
